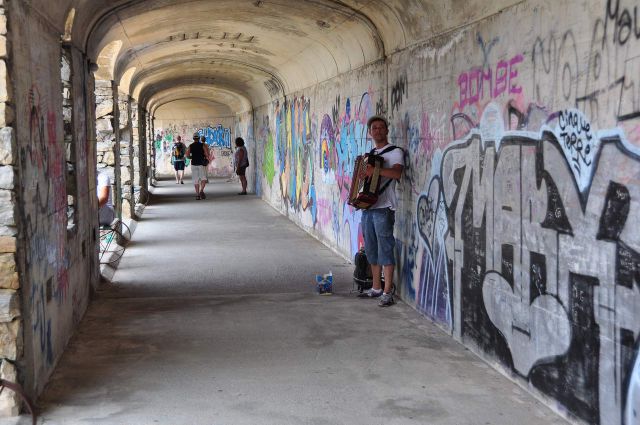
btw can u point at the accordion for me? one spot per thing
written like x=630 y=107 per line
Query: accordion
x=365 y=190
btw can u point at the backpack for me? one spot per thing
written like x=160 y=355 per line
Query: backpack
x=362 y=277
x=178 y=151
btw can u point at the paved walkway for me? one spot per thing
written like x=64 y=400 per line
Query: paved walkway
x=212 y=319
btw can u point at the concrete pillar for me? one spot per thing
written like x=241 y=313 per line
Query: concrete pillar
x=141 y=180
x=126 y=170
x=153 y=153
x=117 y=192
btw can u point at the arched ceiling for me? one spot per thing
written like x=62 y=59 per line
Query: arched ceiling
x=192 y=109
x=249 y=50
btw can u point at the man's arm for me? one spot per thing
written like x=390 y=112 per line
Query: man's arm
x=103 y=195
x=394 y=172
x=188 y=153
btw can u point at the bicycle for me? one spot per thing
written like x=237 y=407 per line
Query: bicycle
x=16 y=388
x=113 y=239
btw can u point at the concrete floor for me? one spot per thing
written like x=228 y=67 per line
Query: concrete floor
x=212 y=319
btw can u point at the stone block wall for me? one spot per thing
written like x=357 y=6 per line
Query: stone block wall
x=105 y=147
x=10 y=293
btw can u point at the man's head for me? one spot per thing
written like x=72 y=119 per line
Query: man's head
x=179 y=139
x=378 y=127
x=196 y=137
x=376 y=118
x=239 y=141
x=203 y=139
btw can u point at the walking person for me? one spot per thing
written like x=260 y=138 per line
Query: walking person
x=241 y=162
x=198 y=152
x=207 y=161
x=178 y=151
x=378 y=221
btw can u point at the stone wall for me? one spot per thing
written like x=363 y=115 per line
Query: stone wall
x=104 y=128
x=516 y=230
x=10 y=293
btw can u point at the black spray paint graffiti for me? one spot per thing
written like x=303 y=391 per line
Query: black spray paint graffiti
x=610 y=87
x=335 y=109
x=545 y=280
x=398 y=94
x=624 y=21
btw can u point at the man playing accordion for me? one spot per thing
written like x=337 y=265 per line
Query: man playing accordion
x=378 y=220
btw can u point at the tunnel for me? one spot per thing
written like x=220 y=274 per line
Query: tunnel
x=518 y=120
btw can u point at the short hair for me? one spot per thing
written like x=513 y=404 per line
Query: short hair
x=203 y=138
x=239 y=141
x=196 y=136
x=179 y=138
x=375 y=118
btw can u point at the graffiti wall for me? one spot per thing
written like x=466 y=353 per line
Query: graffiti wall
x=518 y=203
x=523 y=180
x=218 y=138
x=306 y=147
x=56 y=262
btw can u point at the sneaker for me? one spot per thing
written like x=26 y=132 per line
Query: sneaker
x=370 y=293
x=197 y=198
x=181 y=182
x=386 y=300
x=202 y=195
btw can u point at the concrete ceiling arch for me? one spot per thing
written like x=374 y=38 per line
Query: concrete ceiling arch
x=247 y=79
x=286 y=45
x=192 y=109
x=232 y=100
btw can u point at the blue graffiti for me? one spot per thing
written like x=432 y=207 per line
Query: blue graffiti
x=217 y=136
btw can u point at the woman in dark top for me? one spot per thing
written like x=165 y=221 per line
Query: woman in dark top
x=241 y=160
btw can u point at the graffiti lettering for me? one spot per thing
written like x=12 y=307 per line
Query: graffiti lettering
x=472 y=83
x=217 y=136
x=533 y=259
x=398 y=93
x=625 y=22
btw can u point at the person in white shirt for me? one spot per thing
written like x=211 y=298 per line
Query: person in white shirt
x=106 y=213
x=378 y=221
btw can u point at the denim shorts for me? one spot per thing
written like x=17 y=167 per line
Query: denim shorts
x=377 y=229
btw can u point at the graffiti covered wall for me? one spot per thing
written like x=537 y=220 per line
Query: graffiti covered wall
x=55 y=260
x=218 y=137
x=516 y=226
x=306 y=146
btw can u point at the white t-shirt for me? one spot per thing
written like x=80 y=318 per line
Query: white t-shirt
x=388 y=199
x=106 y=213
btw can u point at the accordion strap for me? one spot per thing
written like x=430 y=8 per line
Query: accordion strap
x=387 y=149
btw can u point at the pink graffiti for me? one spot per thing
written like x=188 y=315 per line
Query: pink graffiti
x=324 y=211
x=500 y=79
x=433 y=131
